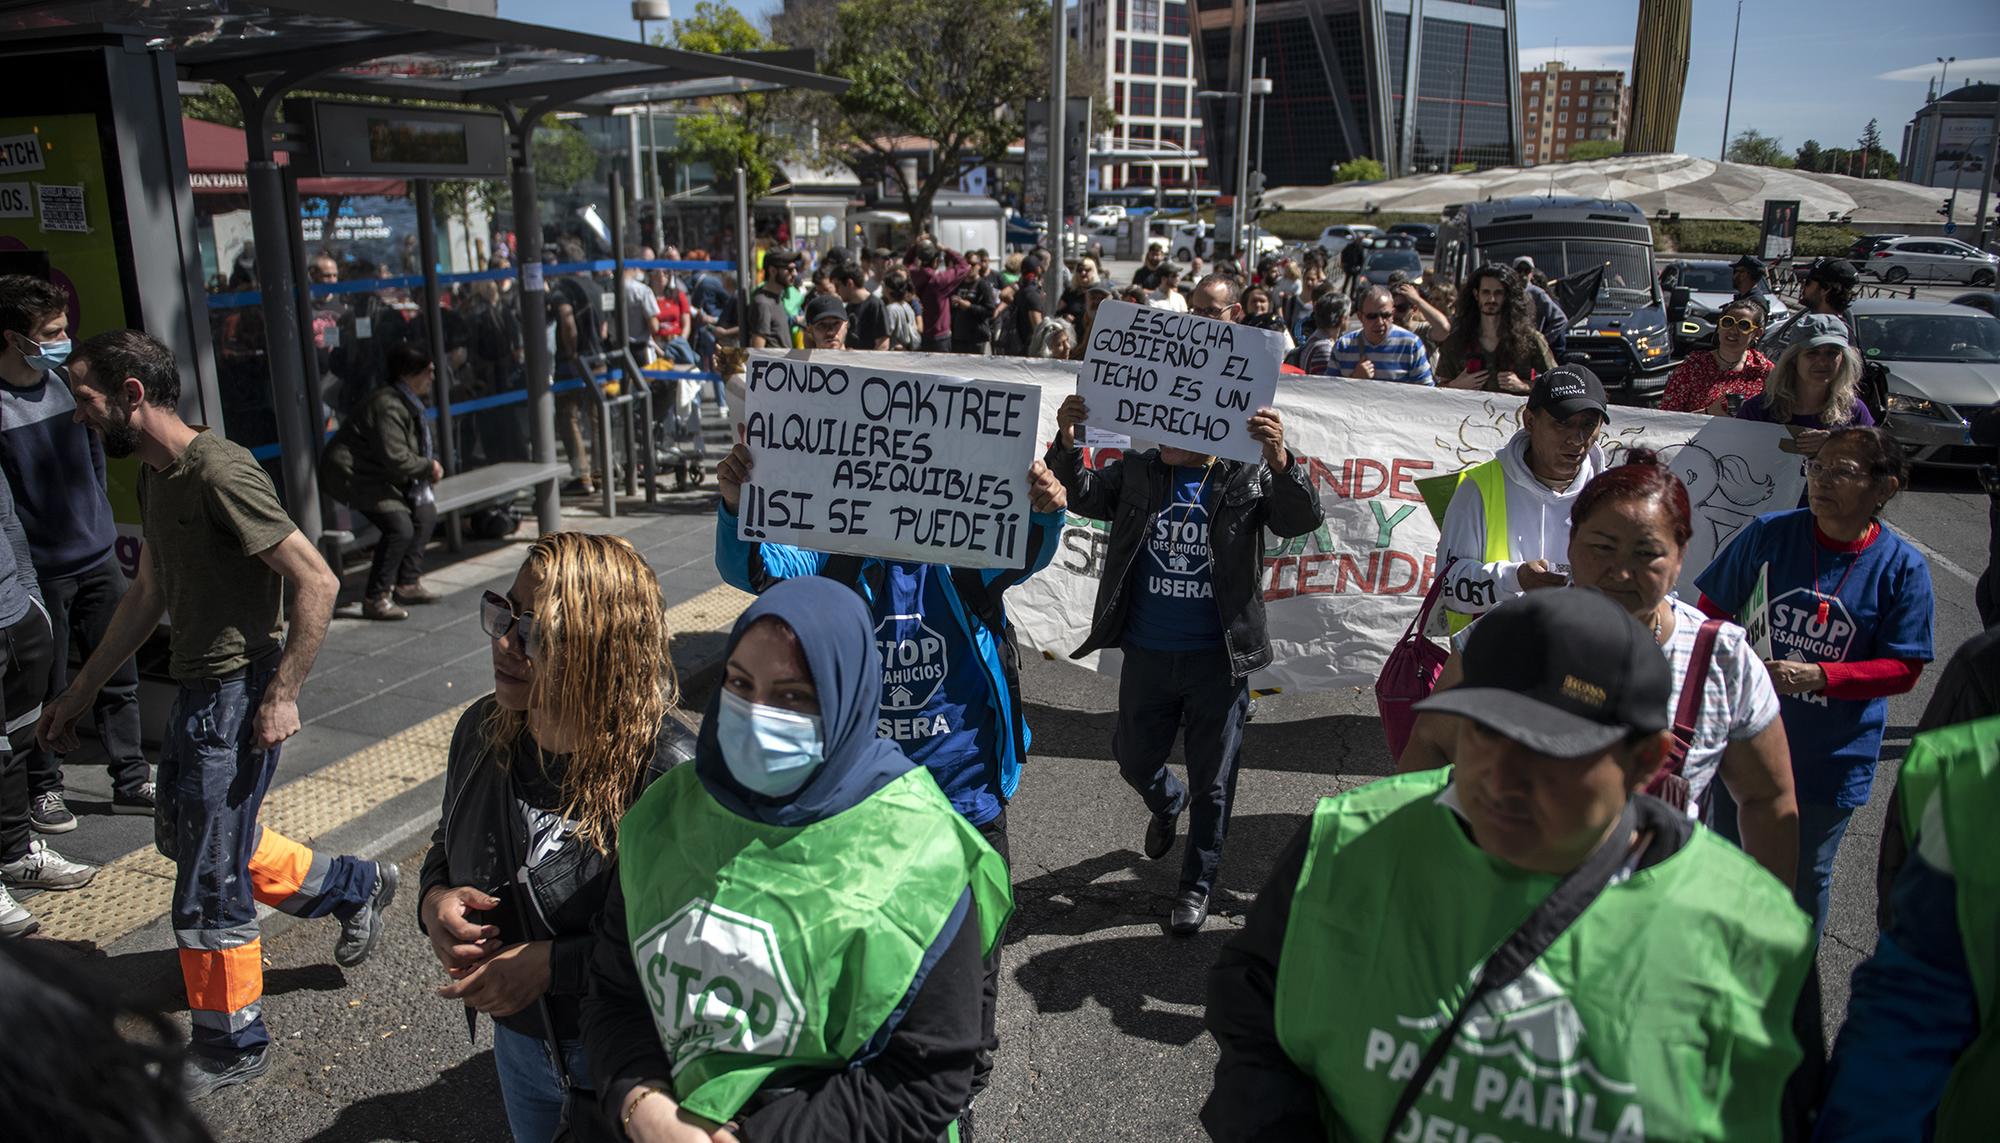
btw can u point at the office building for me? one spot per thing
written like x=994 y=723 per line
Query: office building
x=1561 y=107
x=1144 y=53
x=1949 y=143
x=1341 y=71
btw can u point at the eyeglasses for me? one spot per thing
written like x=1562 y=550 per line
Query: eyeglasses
x=1730 y=321
x=1208 y=311
x=497 y=617
x=1383 y=315
x=1828 y=472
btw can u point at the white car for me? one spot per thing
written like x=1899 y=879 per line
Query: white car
x=1333 y=238
x=1104 y=217
x=1922 y=259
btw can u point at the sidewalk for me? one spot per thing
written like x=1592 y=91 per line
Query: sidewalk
x=365 y=775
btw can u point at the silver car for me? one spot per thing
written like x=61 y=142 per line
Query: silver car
x=1710 y=288
x=1943 y=363
x=1920 y=259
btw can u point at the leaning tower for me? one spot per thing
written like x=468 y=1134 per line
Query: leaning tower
x=1659 y=74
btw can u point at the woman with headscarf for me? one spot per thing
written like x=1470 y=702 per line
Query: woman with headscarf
x=794 y=948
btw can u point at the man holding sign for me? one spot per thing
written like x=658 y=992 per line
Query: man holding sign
x=1181 y=379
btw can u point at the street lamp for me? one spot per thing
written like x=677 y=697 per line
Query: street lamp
x=662 y=11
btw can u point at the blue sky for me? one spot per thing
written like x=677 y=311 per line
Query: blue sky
x=1809 y=68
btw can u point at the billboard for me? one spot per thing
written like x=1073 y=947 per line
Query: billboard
x=1963 y=152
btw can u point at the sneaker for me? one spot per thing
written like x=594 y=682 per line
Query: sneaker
x=359 y=933
x=48 y=814
x=15 y=921
x=144 y=800
x=44 y=868
x=202 y=1076
x=417 y=593
x=382 y=607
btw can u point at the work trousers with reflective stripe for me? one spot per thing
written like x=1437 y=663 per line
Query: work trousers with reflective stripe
x=212 y=781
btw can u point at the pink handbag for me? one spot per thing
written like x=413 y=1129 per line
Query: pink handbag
x=1410 y=673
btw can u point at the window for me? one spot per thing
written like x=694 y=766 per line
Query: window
x=1145 y=58
x=1146 y=16
x=1118 y=98
x=1177 y=25
x=1173 y=101
x=1535 y=85
x=1121 y=15
x=1175 y=135
x=1565 y=101
x=1194 y=138
x=1562 y=117
x=1139 y=133
x=1562 y=133
x=1144 y=98
x=1566 y=85
x=1174 y=57
x=1119 y=56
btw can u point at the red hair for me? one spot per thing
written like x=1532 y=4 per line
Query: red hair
x=1642 y=477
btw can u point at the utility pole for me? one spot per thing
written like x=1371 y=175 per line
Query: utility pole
x=1263 y=89
x=1729 y=100
x=642 y=11
x=1241 y=239
x=1058 y=130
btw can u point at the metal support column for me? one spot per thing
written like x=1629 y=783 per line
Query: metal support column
x=427 y=252
x=534 y=319
x=745 y=269
x=1240 y=214
x=308 y=345
x=1052 y=282
x=290 y=399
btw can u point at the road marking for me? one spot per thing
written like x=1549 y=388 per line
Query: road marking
x=1939 y=559
x=132 y=891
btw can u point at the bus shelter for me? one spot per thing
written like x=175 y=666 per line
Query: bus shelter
x=95 y=193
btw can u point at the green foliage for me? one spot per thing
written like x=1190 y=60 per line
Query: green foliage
x=1871 y=137
x=1758 y=149
x=752 y=131
x=1722 y=236
x=1363 y=169
x=214 y=103
x=1810 y=155
x=1595 y=149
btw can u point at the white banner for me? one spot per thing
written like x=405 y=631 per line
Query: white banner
x=1179 y=379
x=870 y=461
x=1338 y=599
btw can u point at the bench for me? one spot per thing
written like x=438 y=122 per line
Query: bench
x=454 y=494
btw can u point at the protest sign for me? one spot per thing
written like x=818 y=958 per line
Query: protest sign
x=1178 y=379
x=858 y=460
x=1756 y=614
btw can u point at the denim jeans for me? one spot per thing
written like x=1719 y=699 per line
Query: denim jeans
x=1156 y=691
x=80 y=608
x=529 y=1084
x=1820 y=831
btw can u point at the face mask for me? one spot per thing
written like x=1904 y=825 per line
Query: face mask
x=47 y=356
x=769 y=750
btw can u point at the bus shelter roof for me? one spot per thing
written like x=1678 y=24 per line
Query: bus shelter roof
x=400 y=50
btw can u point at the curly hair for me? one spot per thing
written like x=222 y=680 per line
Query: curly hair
x=604 y=671
x=1517 y=323
x=1781 y=389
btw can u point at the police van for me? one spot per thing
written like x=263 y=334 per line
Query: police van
x=1624 y=338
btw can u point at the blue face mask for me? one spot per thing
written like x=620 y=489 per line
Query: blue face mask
x=769 y=750
x=47 y=355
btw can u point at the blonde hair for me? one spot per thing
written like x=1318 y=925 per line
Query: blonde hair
x=603 y=671
x=1781 y=389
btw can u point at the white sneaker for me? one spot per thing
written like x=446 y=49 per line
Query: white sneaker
x=15 y=921
x=44 y=868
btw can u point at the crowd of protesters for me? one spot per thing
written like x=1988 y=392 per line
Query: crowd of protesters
x=1611 y=843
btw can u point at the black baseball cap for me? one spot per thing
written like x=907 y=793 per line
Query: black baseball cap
x=1837 y=271
x=824 y=306
x=1567 y=390
x=1563 y=671
x=780 y=257
x=1749 y=262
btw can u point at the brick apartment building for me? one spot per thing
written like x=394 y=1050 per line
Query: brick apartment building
x=1561 y=107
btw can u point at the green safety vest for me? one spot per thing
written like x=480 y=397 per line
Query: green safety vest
x=1663 y=1013
x=768 y=949
x=1491 y=481
x=1951 y=777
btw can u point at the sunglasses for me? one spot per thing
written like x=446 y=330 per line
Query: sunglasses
x=1384 y=315
x=497 y=617
x=1730 y=321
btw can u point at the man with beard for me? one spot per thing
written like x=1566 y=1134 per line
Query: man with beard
x=1493 y=345
x=973 y=307
x=1828 y=288
x=1506 y=531
x=61 y=493
x=219 y=554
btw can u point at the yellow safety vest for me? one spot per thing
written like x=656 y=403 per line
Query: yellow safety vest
x=1492 y=485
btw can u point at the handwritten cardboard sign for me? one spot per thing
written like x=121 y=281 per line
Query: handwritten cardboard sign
x=888 y=463
x=1179 y=379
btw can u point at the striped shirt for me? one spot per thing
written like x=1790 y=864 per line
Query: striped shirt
x=1401 y=358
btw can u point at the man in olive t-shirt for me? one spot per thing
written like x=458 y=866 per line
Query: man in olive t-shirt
x=219 y=551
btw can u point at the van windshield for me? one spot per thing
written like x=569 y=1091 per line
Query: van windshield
x=1628 y=267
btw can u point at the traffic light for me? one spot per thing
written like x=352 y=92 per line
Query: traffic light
x=1945 y=210
x=1255 y=208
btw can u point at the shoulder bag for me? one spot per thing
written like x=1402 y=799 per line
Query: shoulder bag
x=1411 y=672
x=1668 y=785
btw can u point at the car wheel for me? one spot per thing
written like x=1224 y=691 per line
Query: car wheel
x=1183 y=256
x=1983 y=278
x=1895 y=275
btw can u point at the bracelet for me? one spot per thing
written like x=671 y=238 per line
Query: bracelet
x=651 y=1089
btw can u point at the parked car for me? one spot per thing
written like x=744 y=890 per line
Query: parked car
x=1710 y=287
x=1392 y=242
x=1867 y=244
x=1932 y=260
x=1333 y=238
x=1385 y=261
x=1104 y=216
x=1988 y=301
x=1425 y=234
x=1943 y=362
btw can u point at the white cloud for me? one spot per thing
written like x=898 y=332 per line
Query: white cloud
x=1987 y=69
x=1582 y=57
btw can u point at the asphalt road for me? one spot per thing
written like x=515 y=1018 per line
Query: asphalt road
x=1101 y=1010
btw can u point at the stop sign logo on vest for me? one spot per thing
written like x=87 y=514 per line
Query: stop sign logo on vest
x=716 y=981
x=914 y=662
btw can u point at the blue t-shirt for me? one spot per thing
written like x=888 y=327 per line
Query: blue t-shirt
x=1878 y=607
x=936 y=701
x=1173 y=593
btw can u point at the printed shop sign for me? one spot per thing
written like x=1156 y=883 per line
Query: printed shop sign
x=1179 y=379
x=854 y=459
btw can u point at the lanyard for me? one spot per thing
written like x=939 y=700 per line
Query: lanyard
x=1825 y=601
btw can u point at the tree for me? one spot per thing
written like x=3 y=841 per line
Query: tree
x=1595 y=149
x=752 y=131
x=953 y=72
x=1758 y=149
x=1359 y=170
x=1810 y=156
x=1876 y=163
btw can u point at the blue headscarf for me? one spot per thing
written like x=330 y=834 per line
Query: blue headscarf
x=837 y=638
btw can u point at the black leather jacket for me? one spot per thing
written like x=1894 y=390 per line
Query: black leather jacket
x=563 y=893
x=1130 y=492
